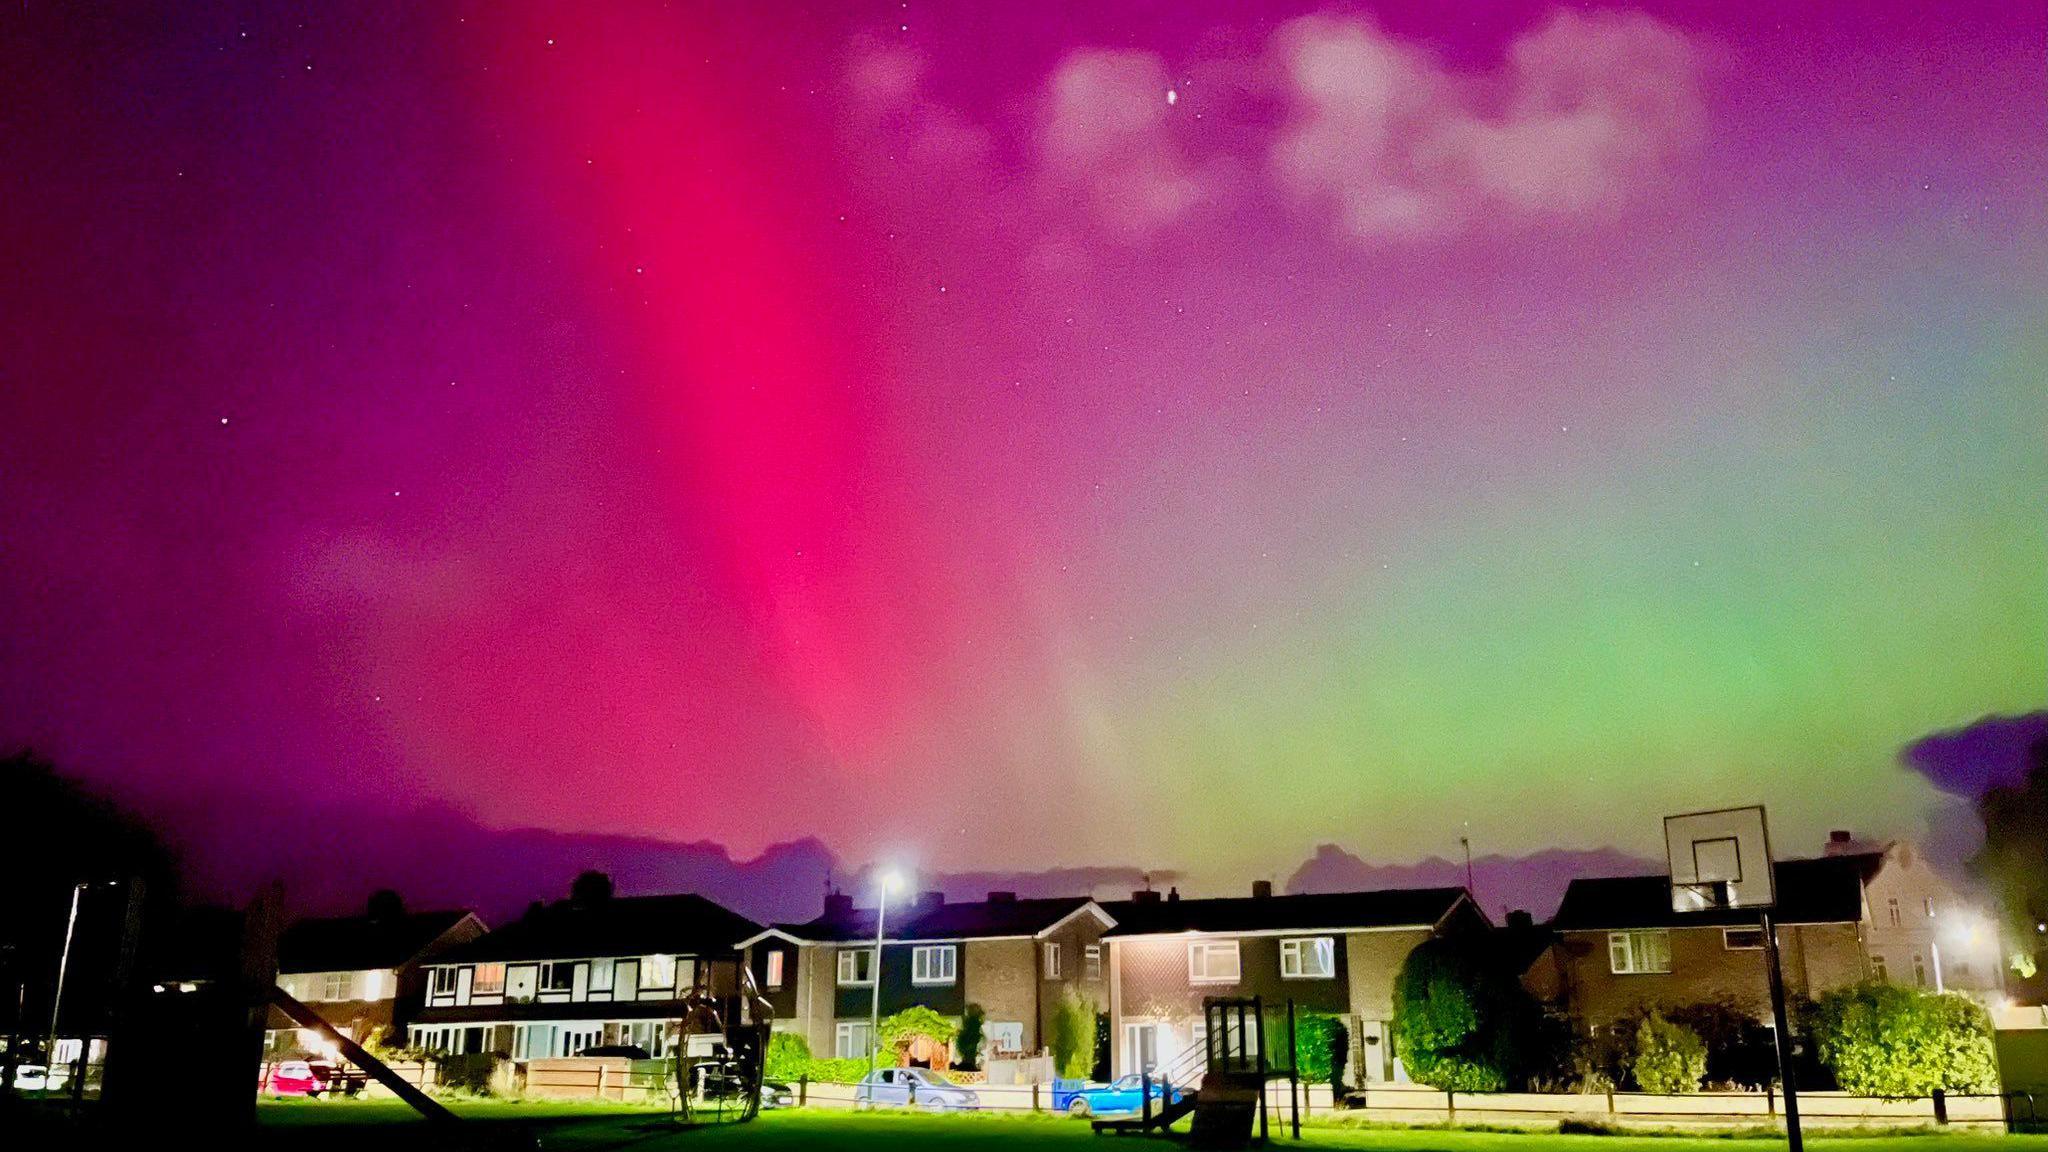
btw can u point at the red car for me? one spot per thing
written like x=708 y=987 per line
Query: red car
x=300 y=1078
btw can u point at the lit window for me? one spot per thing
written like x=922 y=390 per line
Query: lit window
x=489 y=980
x=856 y=966
x=1213 y=962
x=1052 y=960
x=1308 y=958
x=1639 y=953
x=658 y=971
x=338 y=986
x=1742 y=939
x=852 y=1039
x=601 y=972
x=1091 y=962
x=933 y=964
x=775 y=960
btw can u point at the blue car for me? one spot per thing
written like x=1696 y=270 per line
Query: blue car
x=1121 y=1095
x=914 y=1088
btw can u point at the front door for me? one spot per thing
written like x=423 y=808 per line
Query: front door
x=1141 y=1047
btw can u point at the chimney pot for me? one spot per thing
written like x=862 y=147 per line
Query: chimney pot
x=838 y=906
x=1261 y=889
x=1144 y=896
x=1173 y=895
x=1002 y=897
x=1520 y=919
x=1840 y=836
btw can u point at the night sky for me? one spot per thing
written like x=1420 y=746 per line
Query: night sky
x=1015 y=436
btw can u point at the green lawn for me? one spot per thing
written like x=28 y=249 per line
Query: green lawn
x=582 y=1127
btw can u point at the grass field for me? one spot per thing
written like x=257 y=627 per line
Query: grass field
x=386 y=1126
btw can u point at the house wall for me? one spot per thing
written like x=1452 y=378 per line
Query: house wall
x=1816 y=958
x=1074 y=939
x=1912 y=912
x=1001 y=978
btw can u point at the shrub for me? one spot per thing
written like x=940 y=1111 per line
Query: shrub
x=969 y=1040
x=1462 y=1021
x=846 y=1070
x=914 y=1022
x=1321 y=1048
x=1882 y=1040
x=1071 y=1036
x=1669 y=1058
x=1739 y=1048
x=469 y=1072
x=788 y=1057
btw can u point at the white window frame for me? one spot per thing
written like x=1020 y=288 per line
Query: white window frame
x=1091 y=962
x=850 y=966
x=337 y=986
x=1728 y=936
x=1322 y=950
x=1639 y=952
x=846 y=1037
x=1052 y=959
x=1202 y=962
x=477 y=986
x=543 y=985
x=773 y=969
x=651 y=969
x=935 y=964
x=444 y=982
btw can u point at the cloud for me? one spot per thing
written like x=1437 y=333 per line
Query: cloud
x=1107 y=138
x=1977 y=757
x=1535 y=882
x=899 y=124
x=1587 y=113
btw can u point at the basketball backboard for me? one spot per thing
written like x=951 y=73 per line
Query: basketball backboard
x=1720 y=859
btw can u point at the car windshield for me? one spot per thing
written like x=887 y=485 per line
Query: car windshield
x=1125 y=1082
x=925 y=1076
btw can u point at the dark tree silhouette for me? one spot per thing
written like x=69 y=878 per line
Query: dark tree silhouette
x=2014 y=859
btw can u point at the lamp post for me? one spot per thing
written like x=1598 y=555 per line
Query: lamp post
x=888 y=880
x=63 y=963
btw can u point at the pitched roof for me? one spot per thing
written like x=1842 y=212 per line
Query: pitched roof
x=948 y=921
x=353 y=943
x=1822 y=890
x=685 y=924
x=1385 y=908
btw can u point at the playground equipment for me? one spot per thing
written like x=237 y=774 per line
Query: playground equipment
x=1234 y=1070
x=721 y=1050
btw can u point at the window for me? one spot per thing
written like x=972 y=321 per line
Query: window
x=558 y=977
x=601 y=975
x=1877 y=968
x=852 y=1039
x=933 y=964
x=775 y=961
x=338 y=986
x=1919 y=971
x=1091 y=962
x=1213 y=962
x=1639 y=953
x=444 y=981
x=1929 y=905
x=489 y=980
x=1003 y=1035
x=1742 y=939
x=1052 y=960
x=856 y=966
x=1892 y=907
x=1309 y=958
x=658 y=971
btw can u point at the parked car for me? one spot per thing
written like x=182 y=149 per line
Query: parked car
x=914 y=1087
x=300 y=1078
x=1124 y=1094
x=39 y=1078
x=776 y=1094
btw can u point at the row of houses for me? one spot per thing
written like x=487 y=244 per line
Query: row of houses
x=598 y=970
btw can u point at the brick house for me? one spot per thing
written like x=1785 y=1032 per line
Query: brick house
x=1842 y=918
x=1336 y=953
x=591 y=971
x=363 y=974
x=1015 y=958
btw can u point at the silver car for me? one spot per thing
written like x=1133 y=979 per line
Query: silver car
x=914 y=1088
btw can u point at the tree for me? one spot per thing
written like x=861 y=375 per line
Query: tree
x=1071 y=1036
x=903 y=1030
x=1462 y=1020
x=788 y=1057
x=2014 y=858
x=969 y=1039
x=1883 y=1040
x=1669 y=1057
x=1322 y=1047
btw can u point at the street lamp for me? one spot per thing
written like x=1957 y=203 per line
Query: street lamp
x=886 y=882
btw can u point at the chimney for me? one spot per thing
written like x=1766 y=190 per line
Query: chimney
x=1840 y=836
x=838 y=906
x=1520 y=920
x=1173 y=895
x=1144 y=896
x=1262 y=889
x=1002 y=897
x=926 y=901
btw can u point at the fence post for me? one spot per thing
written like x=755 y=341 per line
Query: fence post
x=1450 y=1106
x=1940 y=1106
x=601 y=1070
x=803 y=1089
x=1610 y=1099
x=1034 y=1095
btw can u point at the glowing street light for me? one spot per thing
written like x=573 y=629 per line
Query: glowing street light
x=887 y=882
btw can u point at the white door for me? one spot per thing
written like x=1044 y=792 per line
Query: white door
x=1141 y=1047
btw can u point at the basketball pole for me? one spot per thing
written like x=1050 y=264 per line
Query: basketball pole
x=1781 y=1035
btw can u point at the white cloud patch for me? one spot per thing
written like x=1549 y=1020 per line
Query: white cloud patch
x=1586 y=113
x=1108 y=139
